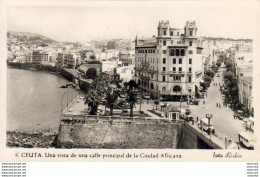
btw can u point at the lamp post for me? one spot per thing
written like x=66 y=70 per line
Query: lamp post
x=209 y=116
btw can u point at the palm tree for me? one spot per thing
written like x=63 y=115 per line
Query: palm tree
x=95 y=93
x=111 y=99
x=131 y=99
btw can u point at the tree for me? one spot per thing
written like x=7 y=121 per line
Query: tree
x=92 y=57
x=132 y=84
x=91 y=73
x=111 y=99
x=131 y=99
x=95 y=93
x=156 y=102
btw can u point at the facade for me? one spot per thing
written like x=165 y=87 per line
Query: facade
x=68 y=60
x=245 y=87
x=169 y=65
x=38 y=57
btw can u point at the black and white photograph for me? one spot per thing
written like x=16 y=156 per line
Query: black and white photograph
x=139 y=75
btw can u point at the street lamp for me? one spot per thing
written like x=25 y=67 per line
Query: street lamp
x=209 y=116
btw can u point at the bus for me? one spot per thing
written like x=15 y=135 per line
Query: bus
x=248 y=139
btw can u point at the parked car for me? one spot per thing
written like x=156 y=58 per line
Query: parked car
x=194 y=102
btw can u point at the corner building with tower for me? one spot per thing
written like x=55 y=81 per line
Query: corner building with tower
x=170 y=65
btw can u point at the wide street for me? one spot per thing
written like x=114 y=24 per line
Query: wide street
x=223 y=121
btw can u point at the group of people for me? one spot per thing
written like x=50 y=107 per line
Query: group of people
x=218 y=105
x=216 y=84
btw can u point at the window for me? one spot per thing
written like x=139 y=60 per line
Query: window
x=180 y=69
x=190 y=43
x=190 y=69
x=164 y=43
x=176 y=88
x=172 y=52
x=189 y=78
x=190 y=32
x=174 y=69
x=177 y=52
x=164 y=52
x=198 y=51
x=190 y=61
x=164 y=60
x=171 y=33
x=180 y=61
x=190 y=52
x=174 y=61
x=164 y=33
x=182 y=52
x=171 y=41
x=177 y=78
x=164 y=68
x=163 y=78
x=178 y=33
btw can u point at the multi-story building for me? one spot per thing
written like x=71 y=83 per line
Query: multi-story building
x=68 y=60
x=169 y=65
x=245 y=87
x=111 y=45
x=38 y=57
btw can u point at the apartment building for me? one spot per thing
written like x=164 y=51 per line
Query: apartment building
x=169 y=65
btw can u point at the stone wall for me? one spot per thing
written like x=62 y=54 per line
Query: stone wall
x=109 y=133
x=193 y=139
x=119 y=134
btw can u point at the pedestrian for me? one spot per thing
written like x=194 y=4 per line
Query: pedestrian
x=197 y=119
x=217 y=104
x=234 y=116
x=230 y=141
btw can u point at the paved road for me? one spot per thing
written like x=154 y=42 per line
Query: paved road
x=223 y=121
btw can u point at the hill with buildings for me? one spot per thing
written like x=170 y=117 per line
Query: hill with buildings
x=29 y=38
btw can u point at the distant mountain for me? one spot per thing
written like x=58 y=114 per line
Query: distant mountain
x=29 y=38
x=230 y=39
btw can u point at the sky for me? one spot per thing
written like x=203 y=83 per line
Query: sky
x=104 y=20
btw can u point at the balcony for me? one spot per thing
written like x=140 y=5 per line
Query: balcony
x=164 y=72
x=176 y=73
x=189 y=72
x=145 y=78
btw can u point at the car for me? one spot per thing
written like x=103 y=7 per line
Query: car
x=194 y=102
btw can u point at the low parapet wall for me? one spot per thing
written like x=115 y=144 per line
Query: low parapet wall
x=194 y=139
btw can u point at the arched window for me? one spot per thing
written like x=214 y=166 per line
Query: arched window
x=144 y=84
x=152 y=87
x=139 y=82
x=176 y=89
x=177 y=52
x=190 y=43
x=172 y=52
x=163 y=89
x=182 y=52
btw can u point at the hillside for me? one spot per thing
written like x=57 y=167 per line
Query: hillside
x=29 y=38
